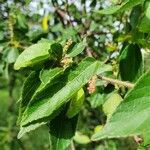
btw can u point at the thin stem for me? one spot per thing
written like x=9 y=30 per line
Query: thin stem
x=115 y=81
x=11 y=85
x=72 y=145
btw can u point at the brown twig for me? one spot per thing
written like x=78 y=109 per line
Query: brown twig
x=95 y=32
x=70 y=21
x=115 y=81
x=63 y=15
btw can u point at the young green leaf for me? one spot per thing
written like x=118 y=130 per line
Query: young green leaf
x=55 y=97
x=132 y=115
x=76 y=103
x=48 y=75
x=81 y=138
x=12 y=55
x=33 y=55
x=29 y=128
x=111 y=104
x=77 y=49
x=110 y=10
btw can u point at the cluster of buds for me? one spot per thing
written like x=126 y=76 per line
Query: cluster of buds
x=67 y=45
x=10 y=27
x=138 y=139
x=66 y=61
x=92 y=85
x=115 y=67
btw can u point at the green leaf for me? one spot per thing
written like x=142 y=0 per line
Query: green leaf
x=132 y=115
x=48 y=75
x=35 y=35
x=69 y=33
x=98 y=128
x=130 y=64
x=104 y=69
x=33 y=86
x=111 y=104
x=56 y=51
x=78 y=48
x=21 y=21
x=62 y=131
x=29 y=128
x=146 y=138
x=2 y=35
x=30 y=85
x=134 y=16
x=12 y=55
x=60 y=93
x=144 y=25
x=127 y=4
x=110 y=10
x=49 y=78
x=32 y=55
x=81 y=138
x=76 y=103
x=96 y=100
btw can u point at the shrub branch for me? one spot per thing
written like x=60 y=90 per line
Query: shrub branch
x=115 y=81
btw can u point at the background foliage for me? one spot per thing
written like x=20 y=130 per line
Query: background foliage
x=52 y=80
